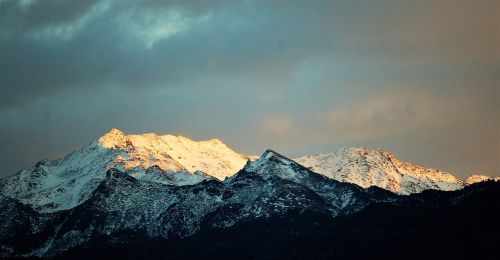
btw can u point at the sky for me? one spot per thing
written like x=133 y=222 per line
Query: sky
x=420 y=79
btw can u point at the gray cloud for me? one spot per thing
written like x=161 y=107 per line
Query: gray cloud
x=417 y=78
x=20 y=17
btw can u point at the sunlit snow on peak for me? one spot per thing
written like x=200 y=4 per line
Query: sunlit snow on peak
x=174 y=153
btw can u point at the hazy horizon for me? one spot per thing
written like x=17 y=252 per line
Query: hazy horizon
x=416 y=78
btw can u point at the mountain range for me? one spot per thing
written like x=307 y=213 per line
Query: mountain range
x=122 y=191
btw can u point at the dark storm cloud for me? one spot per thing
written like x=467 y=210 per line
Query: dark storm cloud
x=418 y=78
x=19 y=17
x=105 y=48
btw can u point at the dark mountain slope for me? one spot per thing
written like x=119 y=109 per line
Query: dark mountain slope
x=24 y=230
x=432 y=225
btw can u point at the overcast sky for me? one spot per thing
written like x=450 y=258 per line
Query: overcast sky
x=418 y=78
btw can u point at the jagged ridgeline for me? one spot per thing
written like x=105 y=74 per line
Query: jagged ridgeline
x=168 y=196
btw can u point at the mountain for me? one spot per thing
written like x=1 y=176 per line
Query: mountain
x=151 y=196
x=253 y=216
x=61 y=184
x=340 y=195
x=380 y=168
x=475 y=178
x=64 y=183
x=175 y=153
x=124 y=209
x=458 y=224
x=23 y=229
x=51 y=186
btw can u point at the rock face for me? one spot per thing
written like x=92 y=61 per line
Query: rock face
x=62 y=184
x=366 y=168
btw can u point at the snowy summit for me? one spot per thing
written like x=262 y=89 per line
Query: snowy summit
x=176 y=160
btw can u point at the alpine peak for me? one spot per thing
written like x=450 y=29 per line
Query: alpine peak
x=272 y=163
x=274 y=156
x=366 y=167
x=115 y=131
x=177 y=160
x=270 y=153
x=174 y=160
x=174 y=153
x=477 y=177
x=215 y=141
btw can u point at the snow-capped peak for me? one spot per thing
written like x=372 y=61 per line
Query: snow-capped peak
x=272 y=163
x=265 y=158
x=366 y=167
x=270 y=154
x=112 y=138
x=174 y=153
x=475 y=178
x=175 y=160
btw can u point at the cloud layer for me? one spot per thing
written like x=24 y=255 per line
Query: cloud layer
x=418 y=78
